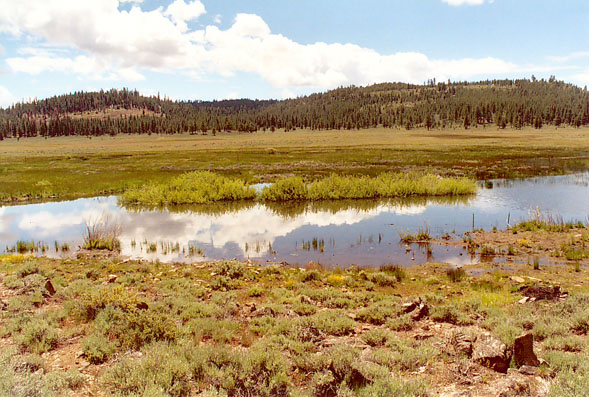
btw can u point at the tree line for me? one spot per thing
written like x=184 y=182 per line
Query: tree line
x=503 y=103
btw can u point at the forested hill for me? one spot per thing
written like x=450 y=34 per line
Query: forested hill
x=504 y=103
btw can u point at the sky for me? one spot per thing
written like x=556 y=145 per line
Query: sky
x=226 y=49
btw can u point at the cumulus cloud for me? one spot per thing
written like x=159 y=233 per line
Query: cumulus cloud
x=6 y=99
x=181 y=12
x=103 y=41
x=465 y=2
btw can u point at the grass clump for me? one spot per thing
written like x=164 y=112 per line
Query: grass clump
x=288 y=189
x=198 y=187
x=456 y=274
x=386 y=185
x=102 y=234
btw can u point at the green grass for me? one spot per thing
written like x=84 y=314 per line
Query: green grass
x=207 y=187
x=191 y=188
x=71 y=167
x=386 y=185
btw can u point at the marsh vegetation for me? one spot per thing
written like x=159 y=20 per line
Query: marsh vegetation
x=206 y=187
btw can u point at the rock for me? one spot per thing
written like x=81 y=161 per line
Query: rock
x=523 y=351
x=306 y=299
x=423 y=336
x=463 y=343
x=420 y=312
x=410 y=306
x=49 y=288
x=112 y=278
x=528 y=370
x=523 y=300
x=517 y=279
x=539 y=292
x=491 y=353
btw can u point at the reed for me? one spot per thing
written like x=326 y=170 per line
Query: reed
x=191 y=188
x=102 y=234
x=207 y=187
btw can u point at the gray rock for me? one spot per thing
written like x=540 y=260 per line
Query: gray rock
x=491 y=353
x=463 y=343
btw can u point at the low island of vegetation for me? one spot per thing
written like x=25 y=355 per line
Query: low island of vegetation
x=206 y=187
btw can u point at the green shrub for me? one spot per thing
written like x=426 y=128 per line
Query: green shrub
x=97 y=348
x=197 y=187
x=60 y=381
x=382 y=279
x=445 y=314
x=232 y=269
x=333 y=322
x=27 y=269
x=310 y=275
x=37 y=336
x=377 y=313
x=401 y=323
x=375 y=337
x=304 y=309
x=580 y=322
x=570 y=343
x=256 y=291
x=224 y=283
x=403 y=355
x=546 y=326
x=163 y=369
x=134 y=328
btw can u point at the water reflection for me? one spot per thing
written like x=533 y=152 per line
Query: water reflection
x=364 y=232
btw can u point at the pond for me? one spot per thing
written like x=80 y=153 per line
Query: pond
x=363 y=232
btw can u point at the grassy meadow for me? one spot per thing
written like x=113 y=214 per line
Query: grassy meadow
x=112 y=327
x=69 y=167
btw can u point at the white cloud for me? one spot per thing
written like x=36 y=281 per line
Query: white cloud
x=6 y=98
x=110 y=43
x=181 y=12
x=571 y=57
x=465 y=2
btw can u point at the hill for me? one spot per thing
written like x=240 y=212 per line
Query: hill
x=504 y=103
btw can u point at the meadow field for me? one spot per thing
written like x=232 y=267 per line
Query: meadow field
x=68 y=167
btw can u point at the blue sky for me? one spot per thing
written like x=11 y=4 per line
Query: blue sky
x=217 y=49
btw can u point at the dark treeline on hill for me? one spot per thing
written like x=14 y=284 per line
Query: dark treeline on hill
x=504 y=103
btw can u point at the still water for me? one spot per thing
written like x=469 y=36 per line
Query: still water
x=364 y=232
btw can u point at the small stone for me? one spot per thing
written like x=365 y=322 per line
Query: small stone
x=523 y=300
x=112 y=278
x=517 y=279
